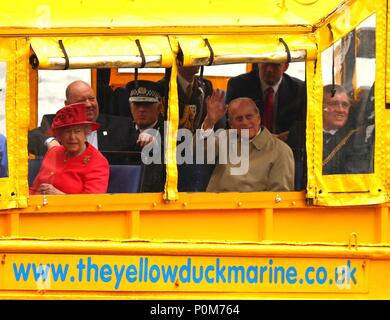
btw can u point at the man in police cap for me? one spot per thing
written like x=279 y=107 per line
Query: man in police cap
x=146 y=106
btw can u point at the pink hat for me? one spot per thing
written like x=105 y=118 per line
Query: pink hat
x=70 y=115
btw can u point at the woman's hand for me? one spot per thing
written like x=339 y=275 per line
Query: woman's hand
x=47 y=188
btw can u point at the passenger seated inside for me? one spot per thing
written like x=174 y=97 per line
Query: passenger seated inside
x=344 y=149
x=147 y=134
x=75 y=166
x=192 y=91
x=365 y=118
x=267 y=163
x=112 y=136
x=280 y=98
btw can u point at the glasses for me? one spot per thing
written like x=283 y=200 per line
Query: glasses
x=334 y=104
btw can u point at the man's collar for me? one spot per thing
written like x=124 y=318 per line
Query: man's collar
x=265 y=86
x=262 y=136
x=183 y=82
x=332 y=132
x=149 y=127
x=258 y=132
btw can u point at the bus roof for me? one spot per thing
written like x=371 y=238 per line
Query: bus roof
x=171 y=13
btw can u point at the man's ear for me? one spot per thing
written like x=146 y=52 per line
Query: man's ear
x=285 y=66
x=160 y=107
x=66 y=102
x=130 y=110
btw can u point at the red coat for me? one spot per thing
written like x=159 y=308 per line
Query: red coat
x=86 y=173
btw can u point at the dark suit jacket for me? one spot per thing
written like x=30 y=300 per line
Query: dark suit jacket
x=113 y=135
x=201 y=90
x=153 y=173
x=353 y=157
x=291 y=104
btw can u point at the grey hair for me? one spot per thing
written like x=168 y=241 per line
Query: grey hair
x=249 y=100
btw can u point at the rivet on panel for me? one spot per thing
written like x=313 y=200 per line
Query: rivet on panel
x=239 y=203
x=293 y=203
x=44 y=200
x=38 y=207
x=154 y=204
x=99 y=206
x=278 y=198
x=185 y=204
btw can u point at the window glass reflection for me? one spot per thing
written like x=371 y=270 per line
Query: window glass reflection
x=348 y=102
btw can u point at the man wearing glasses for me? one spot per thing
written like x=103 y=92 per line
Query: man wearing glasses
x=343 y=152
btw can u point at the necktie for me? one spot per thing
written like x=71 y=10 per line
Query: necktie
x=327 y=136
x=268 y=108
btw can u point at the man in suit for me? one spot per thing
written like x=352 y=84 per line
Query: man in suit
x=147 y=134
x=112 y=138
x=280 y=98
x=344 y=150
x=192 y=92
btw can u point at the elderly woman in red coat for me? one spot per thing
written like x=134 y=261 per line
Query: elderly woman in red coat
x=75 y=166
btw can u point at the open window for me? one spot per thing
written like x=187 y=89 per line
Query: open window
x=214 y=52
x=59 y=61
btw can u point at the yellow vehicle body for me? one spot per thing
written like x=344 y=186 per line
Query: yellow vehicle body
x=330 y=241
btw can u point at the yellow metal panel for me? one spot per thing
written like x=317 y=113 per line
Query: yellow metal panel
x=87 y=225
x=4 y=223
x=198 y=225
x=95 y=51
x=182 y=274
x=345 y=19
x=387 y=57
x=383 y=139
x=245 y=218
x=13 y=190
x=121 y=13
x=113 y=270
x=329 y=226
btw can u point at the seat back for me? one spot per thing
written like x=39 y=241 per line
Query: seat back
x=194 y=177
x=33 y=168
x=300 y=179
x=125 y=178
